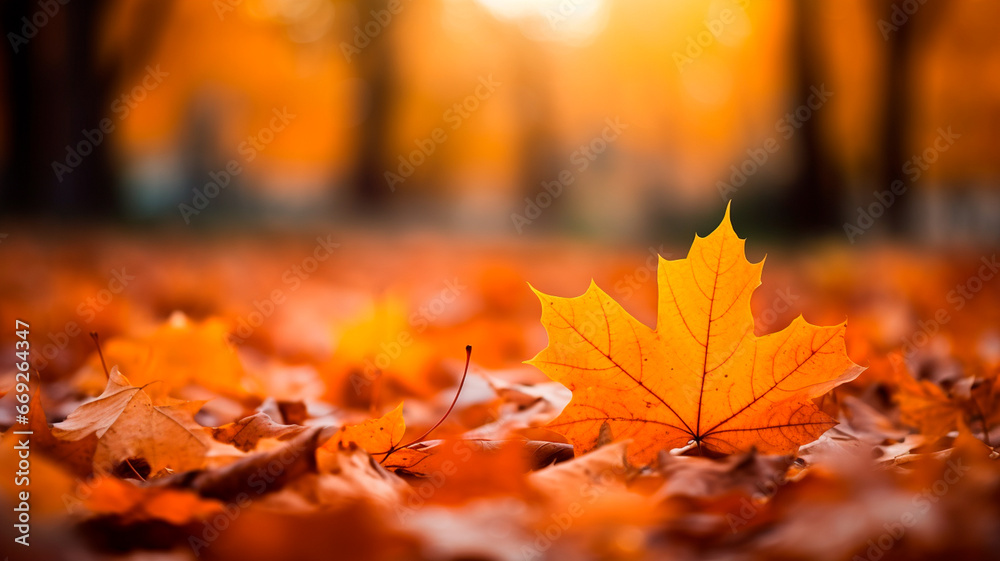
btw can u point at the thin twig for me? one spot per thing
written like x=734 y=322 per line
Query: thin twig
x=97 y=342
x=134 y=470
x=465 y=374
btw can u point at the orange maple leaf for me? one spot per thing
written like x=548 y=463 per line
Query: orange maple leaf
x=970 y=402
x=379 y=437
x=376 y=436
x=702 y=376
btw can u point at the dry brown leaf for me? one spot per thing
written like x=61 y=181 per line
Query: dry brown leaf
x=134 y=436
x=245 y=433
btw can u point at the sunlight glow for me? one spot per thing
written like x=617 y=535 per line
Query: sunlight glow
x=575 y=22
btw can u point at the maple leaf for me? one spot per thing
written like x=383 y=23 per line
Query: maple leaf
x=702 y=375
x=923 y=404
x=379 y=437
x=936 y=412
x=129 y=426
x=375 y=436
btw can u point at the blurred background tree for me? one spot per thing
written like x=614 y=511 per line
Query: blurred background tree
x=700 y=86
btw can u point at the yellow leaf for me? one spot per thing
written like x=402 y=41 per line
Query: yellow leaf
x=702 y=375
x=375 y=436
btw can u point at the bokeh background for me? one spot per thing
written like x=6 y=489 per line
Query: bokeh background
x=514 y=88
x=322 y=202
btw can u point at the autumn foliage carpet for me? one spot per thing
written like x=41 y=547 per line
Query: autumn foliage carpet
x=312 y=397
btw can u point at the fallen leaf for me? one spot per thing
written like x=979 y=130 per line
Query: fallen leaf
x=131 y=430
x=348 y=474
x=595 y=472
x=925 y=405
x=259 y=473
x=378 y=437
x=245 y=433
x=702 y=376
x=750 y=474
x=96 y=416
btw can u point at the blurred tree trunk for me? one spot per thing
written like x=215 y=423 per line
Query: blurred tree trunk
x=897 y=104
x=377 y=68
x=35 y=74
x=817 y=196
x=540 y=157
x=91 y=188
x=57 y=89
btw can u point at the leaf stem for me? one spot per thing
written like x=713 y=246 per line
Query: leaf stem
x=418 y=440
x=137 y=474
x=97 y=343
